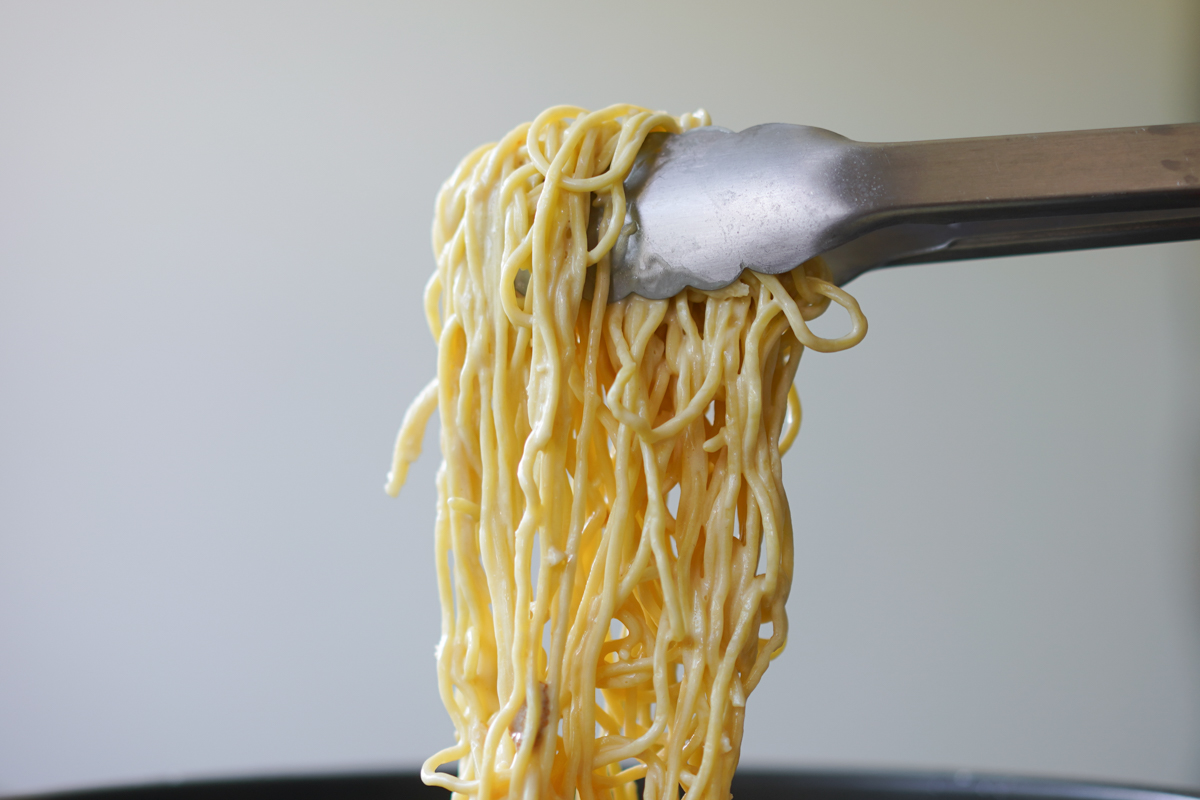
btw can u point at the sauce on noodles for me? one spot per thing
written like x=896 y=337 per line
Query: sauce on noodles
x=614 y=544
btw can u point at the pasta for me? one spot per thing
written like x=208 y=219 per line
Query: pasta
x=614 y=545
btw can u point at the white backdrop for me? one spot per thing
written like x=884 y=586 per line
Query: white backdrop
x=213 y=233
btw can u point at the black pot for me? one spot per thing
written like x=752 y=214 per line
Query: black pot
x=748 y=785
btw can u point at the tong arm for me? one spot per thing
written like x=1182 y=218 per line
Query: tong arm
x=963 y=199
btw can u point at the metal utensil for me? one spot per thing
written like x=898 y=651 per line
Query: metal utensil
x=706 y=204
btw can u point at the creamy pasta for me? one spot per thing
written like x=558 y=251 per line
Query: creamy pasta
x=614 y=545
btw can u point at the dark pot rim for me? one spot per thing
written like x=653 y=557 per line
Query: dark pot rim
x=750 y=784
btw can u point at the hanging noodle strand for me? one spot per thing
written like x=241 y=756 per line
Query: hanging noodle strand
x=612 y=535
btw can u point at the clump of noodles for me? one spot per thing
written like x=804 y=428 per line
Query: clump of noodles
x=612 y=532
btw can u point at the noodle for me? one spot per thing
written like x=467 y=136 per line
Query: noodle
x=612 y=531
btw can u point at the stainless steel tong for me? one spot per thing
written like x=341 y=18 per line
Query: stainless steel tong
x=707 y=204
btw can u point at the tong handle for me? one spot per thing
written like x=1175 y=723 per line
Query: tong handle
x=961 y=199
x=1039 y=175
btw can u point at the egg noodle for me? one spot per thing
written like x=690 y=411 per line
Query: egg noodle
x=614 y=546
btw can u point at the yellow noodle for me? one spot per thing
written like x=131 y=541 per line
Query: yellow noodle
x=612 y=529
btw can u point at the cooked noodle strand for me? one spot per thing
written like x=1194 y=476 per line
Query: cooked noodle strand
x=612 y=530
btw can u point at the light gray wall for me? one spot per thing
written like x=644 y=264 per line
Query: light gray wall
x=213 y=233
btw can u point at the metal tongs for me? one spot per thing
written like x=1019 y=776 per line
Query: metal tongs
x=706 y=204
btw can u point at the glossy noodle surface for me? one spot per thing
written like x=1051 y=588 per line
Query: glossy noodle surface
x=614 y=544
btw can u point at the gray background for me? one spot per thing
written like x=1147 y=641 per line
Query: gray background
x=213 y=232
